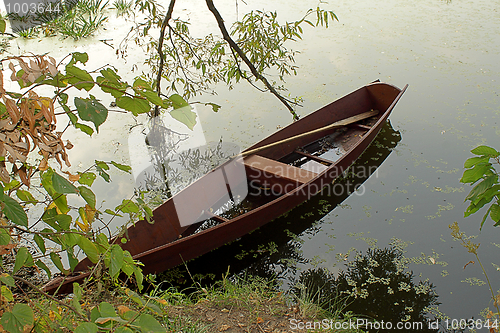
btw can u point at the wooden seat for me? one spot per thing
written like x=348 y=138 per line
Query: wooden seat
x=278 y=169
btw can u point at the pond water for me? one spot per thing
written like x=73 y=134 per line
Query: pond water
x=447 y=51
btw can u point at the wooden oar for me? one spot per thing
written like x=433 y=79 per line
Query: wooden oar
x=339 y=123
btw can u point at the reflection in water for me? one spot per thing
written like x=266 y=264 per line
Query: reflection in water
x=274 y=250
x=374 y=285
x=167 y=161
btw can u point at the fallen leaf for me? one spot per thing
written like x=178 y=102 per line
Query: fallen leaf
x=4 y=249
x=122 y=309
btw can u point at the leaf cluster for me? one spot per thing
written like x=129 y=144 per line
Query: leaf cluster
x=29 y=143
x=482 y=173
x=191 y=65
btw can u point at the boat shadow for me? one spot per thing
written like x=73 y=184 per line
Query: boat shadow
x=273 y=251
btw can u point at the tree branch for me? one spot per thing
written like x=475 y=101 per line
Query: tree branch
x=243 y=56
x=38 y=290
x=160 y=53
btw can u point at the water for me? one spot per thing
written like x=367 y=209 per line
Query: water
x=447 y=51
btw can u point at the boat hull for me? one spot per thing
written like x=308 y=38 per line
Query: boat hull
x=167 y=243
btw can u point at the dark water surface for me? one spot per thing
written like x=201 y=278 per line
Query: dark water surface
x=448 y=52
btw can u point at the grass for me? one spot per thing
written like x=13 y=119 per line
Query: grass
x=77 y=20
x=231 y=305
x=122 y=7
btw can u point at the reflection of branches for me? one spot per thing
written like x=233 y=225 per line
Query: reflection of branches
x=376 y=285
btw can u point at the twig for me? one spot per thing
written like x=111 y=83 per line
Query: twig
x=51 y=297
x=160 y=52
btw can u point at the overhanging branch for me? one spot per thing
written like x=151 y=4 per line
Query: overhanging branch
x=160 y=52
x=245 y=59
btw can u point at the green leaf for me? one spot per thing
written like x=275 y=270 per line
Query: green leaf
x=14 y=211
x=7 y=294
x=87 y=178
x=476 y=173
x=26 y=196
x=475 y=194
x=87 y=194
x=495 y=212
x=77 y=291
x=102 y=165
x=21 y=258
x=63 y=98
x=104 y=175
x=80 y=78
x=87 y=328
x=73 y=261
x=116 y=260
x=40 y=242
x=4 y=237
x=139 y=277
x=15 y=321
x=57 y=221
x=110 y=83
x=110 y=212
x=89 y=248
x=85 y=129
x=14 y=183
x=3 y=25
x=144 y=89
x=128 y=206
x=56 y=259
x=215 y=107
x=485 y=151
x=134 y=105
x=107 y=310
x=62 y=185
x=149 y=324
x=3 y=108
x=122 y=167
x=177 y=101
x=90 y=109
x=111 y=75
x=63 y=220
x=475 y=160
x=79 y=57
x=185 y=116
x=7 y=279
x=42 y=265
x=123 y=329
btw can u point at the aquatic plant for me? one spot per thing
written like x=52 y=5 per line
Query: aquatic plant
x=377 y=286
x=481 y=172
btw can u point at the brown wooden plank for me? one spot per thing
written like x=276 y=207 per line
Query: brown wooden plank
x=314 y=158
x=279 y=169
x=360 y=126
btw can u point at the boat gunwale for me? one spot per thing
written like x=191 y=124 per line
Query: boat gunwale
x=64 y=282
x=376 y=127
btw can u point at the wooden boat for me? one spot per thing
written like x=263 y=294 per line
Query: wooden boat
x=279 y=173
